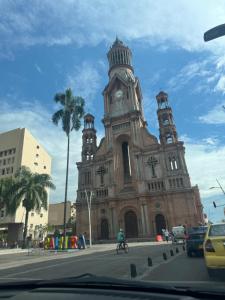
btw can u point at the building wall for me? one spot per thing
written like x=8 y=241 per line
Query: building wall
x=26 y=151
x=56 y=213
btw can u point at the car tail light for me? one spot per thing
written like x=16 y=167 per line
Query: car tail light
x=209 y=246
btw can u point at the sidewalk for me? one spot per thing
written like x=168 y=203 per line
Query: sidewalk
x=12 y=251
x=24 y=257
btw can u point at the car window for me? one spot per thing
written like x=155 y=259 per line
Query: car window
x=217 y=230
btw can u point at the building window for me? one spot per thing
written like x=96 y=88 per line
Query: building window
x=126 y=161
x=14 y=150
x=35 y=163
x=44 y=167
x=9 y=160
x=169 y=138
x=1 y=154
x=2 y=213
x=0 y=162
x=4 y=162
x=181 y=182
x=3 y=171
x=41 y=215
x=13 y=159
x=38 y=147
x=5 y=153
x=32 y=214
x=37 y=155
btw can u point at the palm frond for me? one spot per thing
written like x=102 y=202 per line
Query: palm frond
x=60 y=98
x=57 y=116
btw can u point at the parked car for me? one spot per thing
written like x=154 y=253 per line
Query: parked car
x=214 y=248
x=195 y=239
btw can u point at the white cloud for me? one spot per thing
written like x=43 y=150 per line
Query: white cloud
x=205 y=161
x=35 y=118
x=85 y=81
x=215 y=116
x=37 y=67
x=49 y=22
x=220 y=86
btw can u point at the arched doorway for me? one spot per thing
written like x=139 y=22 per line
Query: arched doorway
x=104 y=229
x=160 y=223
x=131 y=224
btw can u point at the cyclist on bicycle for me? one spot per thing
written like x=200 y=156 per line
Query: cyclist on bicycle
x=121 y=237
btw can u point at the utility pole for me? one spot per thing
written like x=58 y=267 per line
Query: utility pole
x=89 y=196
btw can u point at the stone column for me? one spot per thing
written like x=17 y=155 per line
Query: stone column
x=112 y=222
x=143 y=220
x=146 y=219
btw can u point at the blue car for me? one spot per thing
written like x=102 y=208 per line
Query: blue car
x=194 y=240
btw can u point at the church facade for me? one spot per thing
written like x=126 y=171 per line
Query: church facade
x=135 y=181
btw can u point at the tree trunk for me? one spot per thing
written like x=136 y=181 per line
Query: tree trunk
x=65 y=200
x=25 y=228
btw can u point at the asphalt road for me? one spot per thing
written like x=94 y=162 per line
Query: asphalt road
x=176 y=268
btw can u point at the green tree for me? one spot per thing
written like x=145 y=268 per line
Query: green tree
x=31 y=189
x=70 y=116
x=7 y=185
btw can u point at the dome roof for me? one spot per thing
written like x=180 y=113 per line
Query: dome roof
x=119 y=55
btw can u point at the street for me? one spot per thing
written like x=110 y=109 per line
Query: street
x=107 y=263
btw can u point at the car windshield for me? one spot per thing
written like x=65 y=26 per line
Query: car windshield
x=112 y=141
x=217 y=230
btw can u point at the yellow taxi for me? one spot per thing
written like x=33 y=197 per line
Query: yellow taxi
x=214 y=247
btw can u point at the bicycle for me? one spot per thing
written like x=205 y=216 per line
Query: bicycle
x=122 y=246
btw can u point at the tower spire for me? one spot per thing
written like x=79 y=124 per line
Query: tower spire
x=119 y=55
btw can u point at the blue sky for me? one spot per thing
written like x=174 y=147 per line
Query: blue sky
x=47 y=46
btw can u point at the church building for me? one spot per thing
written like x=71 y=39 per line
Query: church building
x=135 y=181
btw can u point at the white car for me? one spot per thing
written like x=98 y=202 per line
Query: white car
x=179 y=234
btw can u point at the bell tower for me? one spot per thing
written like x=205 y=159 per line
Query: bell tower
x=167 y=128
x=89 y=146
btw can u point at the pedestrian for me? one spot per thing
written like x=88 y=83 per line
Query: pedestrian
x=84 y=241
x=80 y=241
x=166 y=233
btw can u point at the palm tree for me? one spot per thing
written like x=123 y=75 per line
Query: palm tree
x=30 y=188
x=70 y=116
x=6 y=187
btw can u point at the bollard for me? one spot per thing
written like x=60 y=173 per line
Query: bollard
x=171 y=253
x=149 y=262
x=177 y=250
x=164 y=256
x=133 y=271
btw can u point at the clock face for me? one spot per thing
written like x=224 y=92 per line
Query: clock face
x=118 y=94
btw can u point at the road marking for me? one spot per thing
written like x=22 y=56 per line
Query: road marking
x=150 y=269
x=47 y=267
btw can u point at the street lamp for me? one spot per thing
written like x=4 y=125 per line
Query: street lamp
x=218 y=187
x=89 y=196
x=214 y=33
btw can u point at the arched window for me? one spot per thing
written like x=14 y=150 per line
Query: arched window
x=126 y=161
x=169 y=138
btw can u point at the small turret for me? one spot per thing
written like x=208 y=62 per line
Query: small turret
x=89 y=146
x=167 y=128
